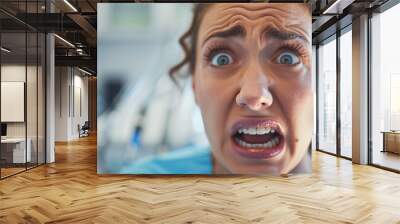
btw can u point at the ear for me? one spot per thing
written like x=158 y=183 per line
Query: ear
x=194 y=90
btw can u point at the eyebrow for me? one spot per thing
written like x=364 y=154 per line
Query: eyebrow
x=236 y=31
x=283 y=35
x=239 y=31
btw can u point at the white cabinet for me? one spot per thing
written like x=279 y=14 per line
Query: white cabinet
x=18 y=145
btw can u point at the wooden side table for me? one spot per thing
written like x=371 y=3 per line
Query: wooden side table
x=391 y=141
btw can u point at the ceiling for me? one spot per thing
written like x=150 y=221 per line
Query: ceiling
x=76 y=22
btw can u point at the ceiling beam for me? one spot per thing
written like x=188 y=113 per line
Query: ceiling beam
x=84 y=24
x=82 y=61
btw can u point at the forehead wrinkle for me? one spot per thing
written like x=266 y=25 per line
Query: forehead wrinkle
x=257 y=7
x=226 y=25
x=250 y=16
x=231 y=21
x=278 y=17
x=285 y=8
x=260 y=14
x=271 y=22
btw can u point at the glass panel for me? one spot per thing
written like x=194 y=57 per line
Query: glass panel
x=314 y=88
x=32 y=89
x=385 y=89
x=346 y=94
x=327 y=97
x=13 y=89
x=41 y=99
x=31 y=100
x=23 y=89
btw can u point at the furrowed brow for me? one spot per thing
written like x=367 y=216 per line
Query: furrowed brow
x=236 y=31
x=283 y=35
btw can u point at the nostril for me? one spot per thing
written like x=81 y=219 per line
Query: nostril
x=242 y=104
x=263 y=103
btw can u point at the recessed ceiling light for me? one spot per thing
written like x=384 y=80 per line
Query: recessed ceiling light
x=65 y=41
x=337 y=7
x=70 y=5
x=84 y=71
x=5 y=50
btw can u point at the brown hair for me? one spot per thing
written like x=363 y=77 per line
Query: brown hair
x=190 y=48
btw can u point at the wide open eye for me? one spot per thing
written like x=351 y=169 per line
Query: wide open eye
x=288 y=58
x=221 y=59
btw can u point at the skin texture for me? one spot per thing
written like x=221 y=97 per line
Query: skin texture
x=255 y=84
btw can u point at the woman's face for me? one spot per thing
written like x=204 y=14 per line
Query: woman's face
x=252 y=82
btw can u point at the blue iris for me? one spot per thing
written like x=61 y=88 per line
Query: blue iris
x=288 y=58
x=221 y=59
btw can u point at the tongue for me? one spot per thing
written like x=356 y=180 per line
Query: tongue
x=255 y=139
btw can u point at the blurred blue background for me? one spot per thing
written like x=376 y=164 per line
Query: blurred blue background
x=141 y=112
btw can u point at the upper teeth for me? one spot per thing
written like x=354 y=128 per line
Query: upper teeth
x=256 y=131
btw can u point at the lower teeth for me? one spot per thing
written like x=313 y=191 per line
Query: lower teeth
x=271 y=143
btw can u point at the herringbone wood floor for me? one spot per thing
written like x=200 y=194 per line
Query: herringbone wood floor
x=70 y=191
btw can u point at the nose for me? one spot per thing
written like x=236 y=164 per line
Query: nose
x=254 y=92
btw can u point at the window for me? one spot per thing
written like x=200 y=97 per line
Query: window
x=346 y=94
x=327 y=97
x=385 y=89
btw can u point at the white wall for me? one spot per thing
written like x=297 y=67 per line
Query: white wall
x=33 y=126
x=80 y=89
x=12 y=101
x=61 y=103
x=17 y=73
x=12 y=73
x=70 y=84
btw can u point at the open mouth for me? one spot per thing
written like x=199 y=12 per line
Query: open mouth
x=258 y=139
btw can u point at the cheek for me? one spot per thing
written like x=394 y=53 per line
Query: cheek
x=215 y=92
x=297 y=105
x=214 y=103
x=205 y=88
x=302 y=111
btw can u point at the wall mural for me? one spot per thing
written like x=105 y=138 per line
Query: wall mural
x=222 y=88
